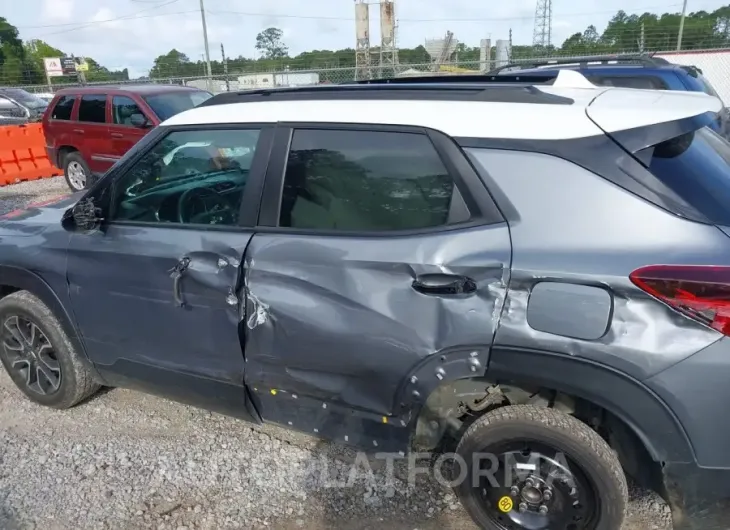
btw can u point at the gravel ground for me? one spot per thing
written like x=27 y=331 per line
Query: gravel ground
x=134 y=461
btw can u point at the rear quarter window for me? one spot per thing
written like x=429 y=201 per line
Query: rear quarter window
x=696 y=166
x=64 y=108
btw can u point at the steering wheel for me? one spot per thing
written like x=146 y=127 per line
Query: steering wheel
x=216 y=209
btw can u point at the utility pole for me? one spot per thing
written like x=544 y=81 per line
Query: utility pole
x=207 y=48
x=681 y=26
x=225 y=68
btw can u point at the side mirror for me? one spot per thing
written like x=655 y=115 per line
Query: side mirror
x=139 y=121
x=84 y=217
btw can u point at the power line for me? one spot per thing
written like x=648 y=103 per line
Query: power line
x=123 y=17
x=470 y=19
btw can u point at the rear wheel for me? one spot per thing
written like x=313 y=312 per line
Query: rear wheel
x=38 y=355
x=76 y=171
x=530 y=468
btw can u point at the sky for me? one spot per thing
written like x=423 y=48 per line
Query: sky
x=131 y=33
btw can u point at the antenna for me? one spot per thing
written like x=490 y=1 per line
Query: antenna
x=542 y=34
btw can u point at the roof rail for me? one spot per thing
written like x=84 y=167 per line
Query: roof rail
x=506 y=88
x=643 y=59
x=459 y=79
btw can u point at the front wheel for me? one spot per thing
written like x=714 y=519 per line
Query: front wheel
x=530 y=468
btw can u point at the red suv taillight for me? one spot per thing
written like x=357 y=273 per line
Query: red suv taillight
x=697 y=291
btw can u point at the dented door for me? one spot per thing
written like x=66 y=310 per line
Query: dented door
x=377 y=254
x=339 y=319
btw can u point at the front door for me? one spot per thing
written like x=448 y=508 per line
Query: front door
x=156 y=291
x=382 y=263
x=123 y=134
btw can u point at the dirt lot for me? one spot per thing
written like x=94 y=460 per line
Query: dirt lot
x=128 y=460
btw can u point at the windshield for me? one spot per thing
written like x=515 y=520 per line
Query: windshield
x=26 y=99
x=696 y=166
x=171 y=103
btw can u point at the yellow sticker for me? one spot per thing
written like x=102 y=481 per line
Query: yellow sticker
x=505 y=504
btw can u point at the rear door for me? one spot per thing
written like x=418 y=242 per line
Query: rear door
x=377 y=272
x=92 y=132
x=123 y=135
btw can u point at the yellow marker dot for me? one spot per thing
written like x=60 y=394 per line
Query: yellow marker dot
x=505 y=504
x=273 y=392
x=385 y=420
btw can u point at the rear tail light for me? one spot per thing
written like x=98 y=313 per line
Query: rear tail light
x=700 y=292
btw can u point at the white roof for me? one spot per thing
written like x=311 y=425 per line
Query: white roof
x=614 y=109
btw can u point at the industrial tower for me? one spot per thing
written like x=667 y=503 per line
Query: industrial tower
x=362 y=42
x=542 y=34
x=388 y=47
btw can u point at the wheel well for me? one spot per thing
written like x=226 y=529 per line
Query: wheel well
x=62 y=152
x=455 y=405
x=5 y=290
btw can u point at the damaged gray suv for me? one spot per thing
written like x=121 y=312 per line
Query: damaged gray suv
x=533 y=277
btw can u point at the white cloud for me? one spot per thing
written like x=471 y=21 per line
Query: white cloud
x=53 y=10
x=140 y=34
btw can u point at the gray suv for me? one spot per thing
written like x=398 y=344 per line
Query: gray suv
x=532 y=278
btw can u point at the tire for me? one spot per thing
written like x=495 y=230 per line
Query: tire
x=593 y=464
x=52 y=353
x=76 y=171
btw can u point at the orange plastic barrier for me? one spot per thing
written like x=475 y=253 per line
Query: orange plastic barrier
x=23 y=154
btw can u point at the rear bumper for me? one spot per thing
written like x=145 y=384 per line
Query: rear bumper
x=699 y=497
x=697 y=392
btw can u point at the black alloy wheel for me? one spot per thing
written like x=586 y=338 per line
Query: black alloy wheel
x=43 y=361
x=30 y=354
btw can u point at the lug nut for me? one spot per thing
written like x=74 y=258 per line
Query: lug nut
x=573 y=492
x=530 y=483
x=543 y=510
x=514 y=491
x=547 y=495
x=523 y=507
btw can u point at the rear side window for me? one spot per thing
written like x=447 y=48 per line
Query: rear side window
x=367 y=181
x=646 y=82
x=93 y=108
x=696 y=166
x=63 y=109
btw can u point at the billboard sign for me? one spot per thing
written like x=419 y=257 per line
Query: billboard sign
x=53 y=66
x=81 y=64
x=68 y=65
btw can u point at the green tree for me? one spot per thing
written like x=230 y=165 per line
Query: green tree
x=270 y=43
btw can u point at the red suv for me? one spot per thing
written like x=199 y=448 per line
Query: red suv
x=88 y=129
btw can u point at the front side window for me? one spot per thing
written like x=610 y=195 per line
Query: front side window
x=189 y=177
x=365 y=181
x=123 y=108
x=93 y=108
x=64 y=108
x=171 y=103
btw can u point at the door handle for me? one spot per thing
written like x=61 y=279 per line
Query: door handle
x=444 y=284
x=117 y=135
x=80 y=131
x=176 y=273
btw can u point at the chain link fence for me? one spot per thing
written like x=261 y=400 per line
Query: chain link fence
x=714 y=63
